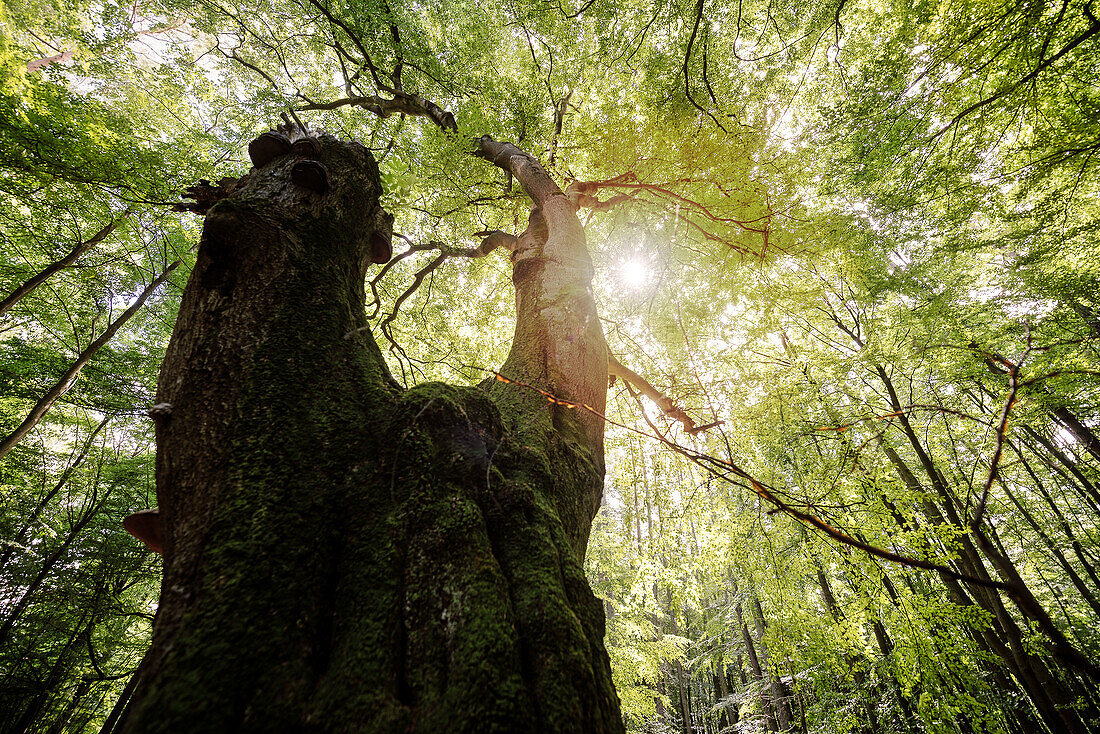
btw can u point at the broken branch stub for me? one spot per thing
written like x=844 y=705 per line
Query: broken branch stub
x=205 y=195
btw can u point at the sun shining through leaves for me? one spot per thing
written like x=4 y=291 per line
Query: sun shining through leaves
x=634 y=273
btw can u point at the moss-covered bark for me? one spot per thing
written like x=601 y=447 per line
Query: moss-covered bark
x=345 y=556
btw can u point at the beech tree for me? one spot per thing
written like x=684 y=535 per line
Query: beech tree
x=385 y=560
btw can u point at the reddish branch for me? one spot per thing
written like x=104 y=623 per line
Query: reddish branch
x=994 y=463
x=723 y=470
x=615 y=368
x=542 y=189
x=629 y=180
x=561 y=221
x=580 y=194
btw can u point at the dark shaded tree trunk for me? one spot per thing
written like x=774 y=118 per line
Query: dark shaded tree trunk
x=1054 y=551
x=721 y=691
x=682 y=685
x=342 y=555
x=1087 y=490
x=683 y=681
x=778 y=696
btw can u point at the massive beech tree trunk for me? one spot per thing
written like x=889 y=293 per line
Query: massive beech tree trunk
x=343 y=555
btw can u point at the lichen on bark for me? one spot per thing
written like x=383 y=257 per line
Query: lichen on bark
x=343 y=555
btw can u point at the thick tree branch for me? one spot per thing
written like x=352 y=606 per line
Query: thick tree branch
x=526 y=169
x=730 y=472
x=559 y=121
x=615 y=369
x=578 y=193
x=687 y=64
x=402 y=103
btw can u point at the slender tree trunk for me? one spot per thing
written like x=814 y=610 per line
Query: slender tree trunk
x=342 y=555
x=60 y=722
x=659 y=706
x=987 y=639
x=853 y=661
x=682 y=685
x=22 y=723
x=38 y=279
x=682 y=681
x=1022 y=596
x=722 y=692
x=1071 y=573
x=1087 y=488
x=46 y=401
x=778 y=697
x=120 y=707
x=33 y=518
x=1078 y=550
x=755 y=667
x=1080 y=431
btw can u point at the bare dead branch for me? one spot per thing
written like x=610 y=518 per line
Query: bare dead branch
x=491 y=240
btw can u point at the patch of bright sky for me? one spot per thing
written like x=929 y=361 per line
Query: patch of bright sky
x=901 y=258
x=1015 y=308
x=862 y=210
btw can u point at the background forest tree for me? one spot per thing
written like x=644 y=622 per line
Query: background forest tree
x=861 y=235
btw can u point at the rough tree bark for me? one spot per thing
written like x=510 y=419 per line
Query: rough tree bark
x=343 y=555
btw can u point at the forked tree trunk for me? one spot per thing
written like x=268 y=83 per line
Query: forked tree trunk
x=342 y=555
